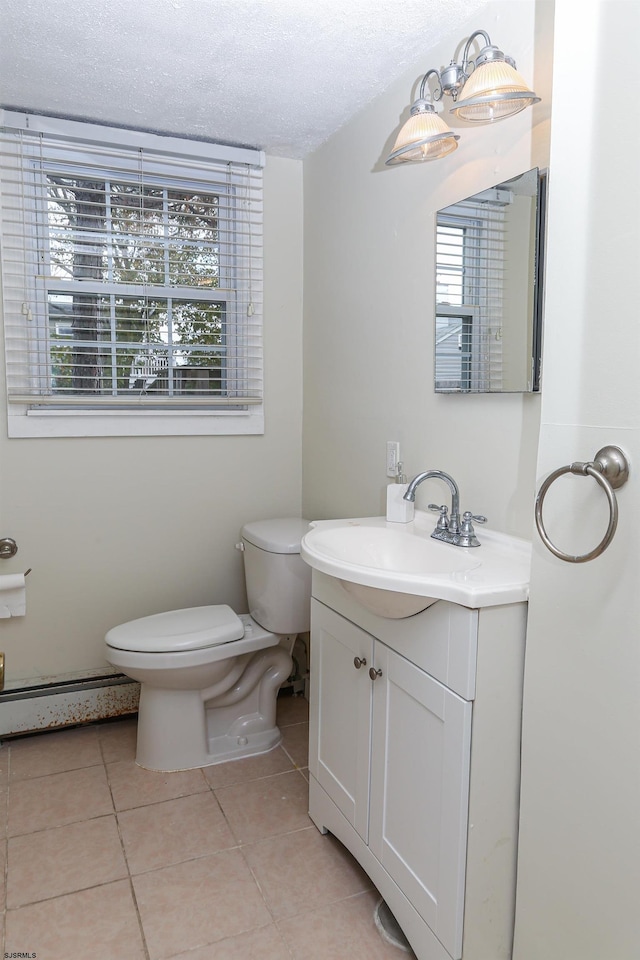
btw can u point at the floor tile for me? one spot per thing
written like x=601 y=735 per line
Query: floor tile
x=118 y=740
x=132 y=786
x=4 y=762
x=175 y=830
x=51 y=863
x=265 y=943
x=3 y=871
x=100 y=923
x=295 y=743
x=60 y=798
x=344 y=929
x=199 y=902
x=54 y=752
x=250 y=768
x=264 y=808
x=4 y=805
x=292 y=710
x=304 y=870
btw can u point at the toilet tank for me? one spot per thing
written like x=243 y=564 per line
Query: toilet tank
x=278 y=580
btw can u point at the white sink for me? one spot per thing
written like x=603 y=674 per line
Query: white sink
x=402 y=558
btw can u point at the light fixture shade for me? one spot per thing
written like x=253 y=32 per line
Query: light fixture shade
x=494 y=90
x=425 y=136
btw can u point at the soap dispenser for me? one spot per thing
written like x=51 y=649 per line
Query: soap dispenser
x=398 y=509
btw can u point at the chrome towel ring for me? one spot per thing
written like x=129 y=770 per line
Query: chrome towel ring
x=609 y=468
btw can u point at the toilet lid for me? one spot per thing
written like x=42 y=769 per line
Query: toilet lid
x=190 y=629
x=276 y=536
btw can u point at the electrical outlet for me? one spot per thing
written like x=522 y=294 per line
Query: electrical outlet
x=393 y=457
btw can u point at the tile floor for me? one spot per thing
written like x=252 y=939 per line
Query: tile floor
x=105 y=860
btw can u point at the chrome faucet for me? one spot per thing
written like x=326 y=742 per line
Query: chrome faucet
x=451 y=523
x=448 y=528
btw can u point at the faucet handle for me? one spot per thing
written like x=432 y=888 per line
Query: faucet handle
x=443 y=519
x=467 y=536
x=467 y=515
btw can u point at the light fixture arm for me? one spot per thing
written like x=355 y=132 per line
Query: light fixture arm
x=425 y=93
x=465 y=53
x=454 y=77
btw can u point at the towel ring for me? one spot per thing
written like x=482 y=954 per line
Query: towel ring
x=609 y=468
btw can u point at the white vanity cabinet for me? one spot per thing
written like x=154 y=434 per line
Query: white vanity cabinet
x=415 y=766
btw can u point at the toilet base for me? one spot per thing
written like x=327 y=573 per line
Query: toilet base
x=228 y=747
x=187 y=729
x=175 y=756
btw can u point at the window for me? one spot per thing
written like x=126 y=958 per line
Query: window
x=132 y=278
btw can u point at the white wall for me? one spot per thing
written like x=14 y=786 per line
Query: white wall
x=120 y=528
x=579 y=859
x=369 y=295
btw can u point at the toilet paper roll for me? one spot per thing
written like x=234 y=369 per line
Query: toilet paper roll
x=13 y=595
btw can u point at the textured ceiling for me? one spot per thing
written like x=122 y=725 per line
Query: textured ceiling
x=281 y=75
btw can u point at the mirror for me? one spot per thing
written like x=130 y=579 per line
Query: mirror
x=489 y=273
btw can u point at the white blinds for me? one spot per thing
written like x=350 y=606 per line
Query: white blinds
x=471 y=247
x=131 y=266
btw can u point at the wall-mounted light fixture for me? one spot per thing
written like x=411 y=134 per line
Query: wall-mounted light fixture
x=484 y=90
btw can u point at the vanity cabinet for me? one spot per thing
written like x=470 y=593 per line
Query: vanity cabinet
x=414 y=761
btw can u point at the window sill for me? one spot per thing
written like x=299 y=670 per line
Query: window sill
x=26 y=423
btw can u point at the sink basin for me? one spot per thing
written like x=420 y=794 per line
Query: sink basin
x=403 y=559
x=388 y=548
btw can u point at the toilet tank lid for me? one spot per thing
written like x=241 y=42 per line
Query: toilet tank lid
x=276 y=536
x=189 y=629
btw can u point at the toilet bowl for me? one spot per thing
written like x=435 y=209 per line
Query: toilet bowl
x=209 y=678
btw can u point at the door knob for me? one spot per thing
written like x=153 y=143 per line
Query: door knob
x=8 y=548
x=374 y=674
x=359 y=662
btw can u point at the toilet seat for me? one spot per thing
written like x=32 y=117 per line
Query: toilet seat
x=254 y=638
x=194 y=628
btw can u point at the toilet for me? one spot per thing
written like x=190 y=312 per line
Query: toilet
x=209 y=678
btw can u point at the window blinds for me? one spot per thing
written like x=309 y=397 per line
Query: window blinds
x=132 y=268
x=471 y=247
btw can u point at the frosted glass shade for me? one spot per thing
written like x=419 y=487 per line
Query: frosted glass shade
x=493 y=91
x=425 y=136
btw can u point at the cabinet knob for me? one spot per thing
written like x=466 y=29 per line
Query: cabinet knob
x=359 y=662
x=374 y=674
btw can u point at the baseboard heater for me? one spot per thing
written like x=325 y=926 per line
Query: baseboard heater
x=59 y=702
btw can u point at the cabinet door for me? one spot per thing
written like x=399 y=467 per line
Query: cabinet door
x=420 y=789
x=340 y=713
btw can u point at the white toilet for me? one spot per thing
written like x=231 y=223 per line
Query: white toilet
x=210 y=678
